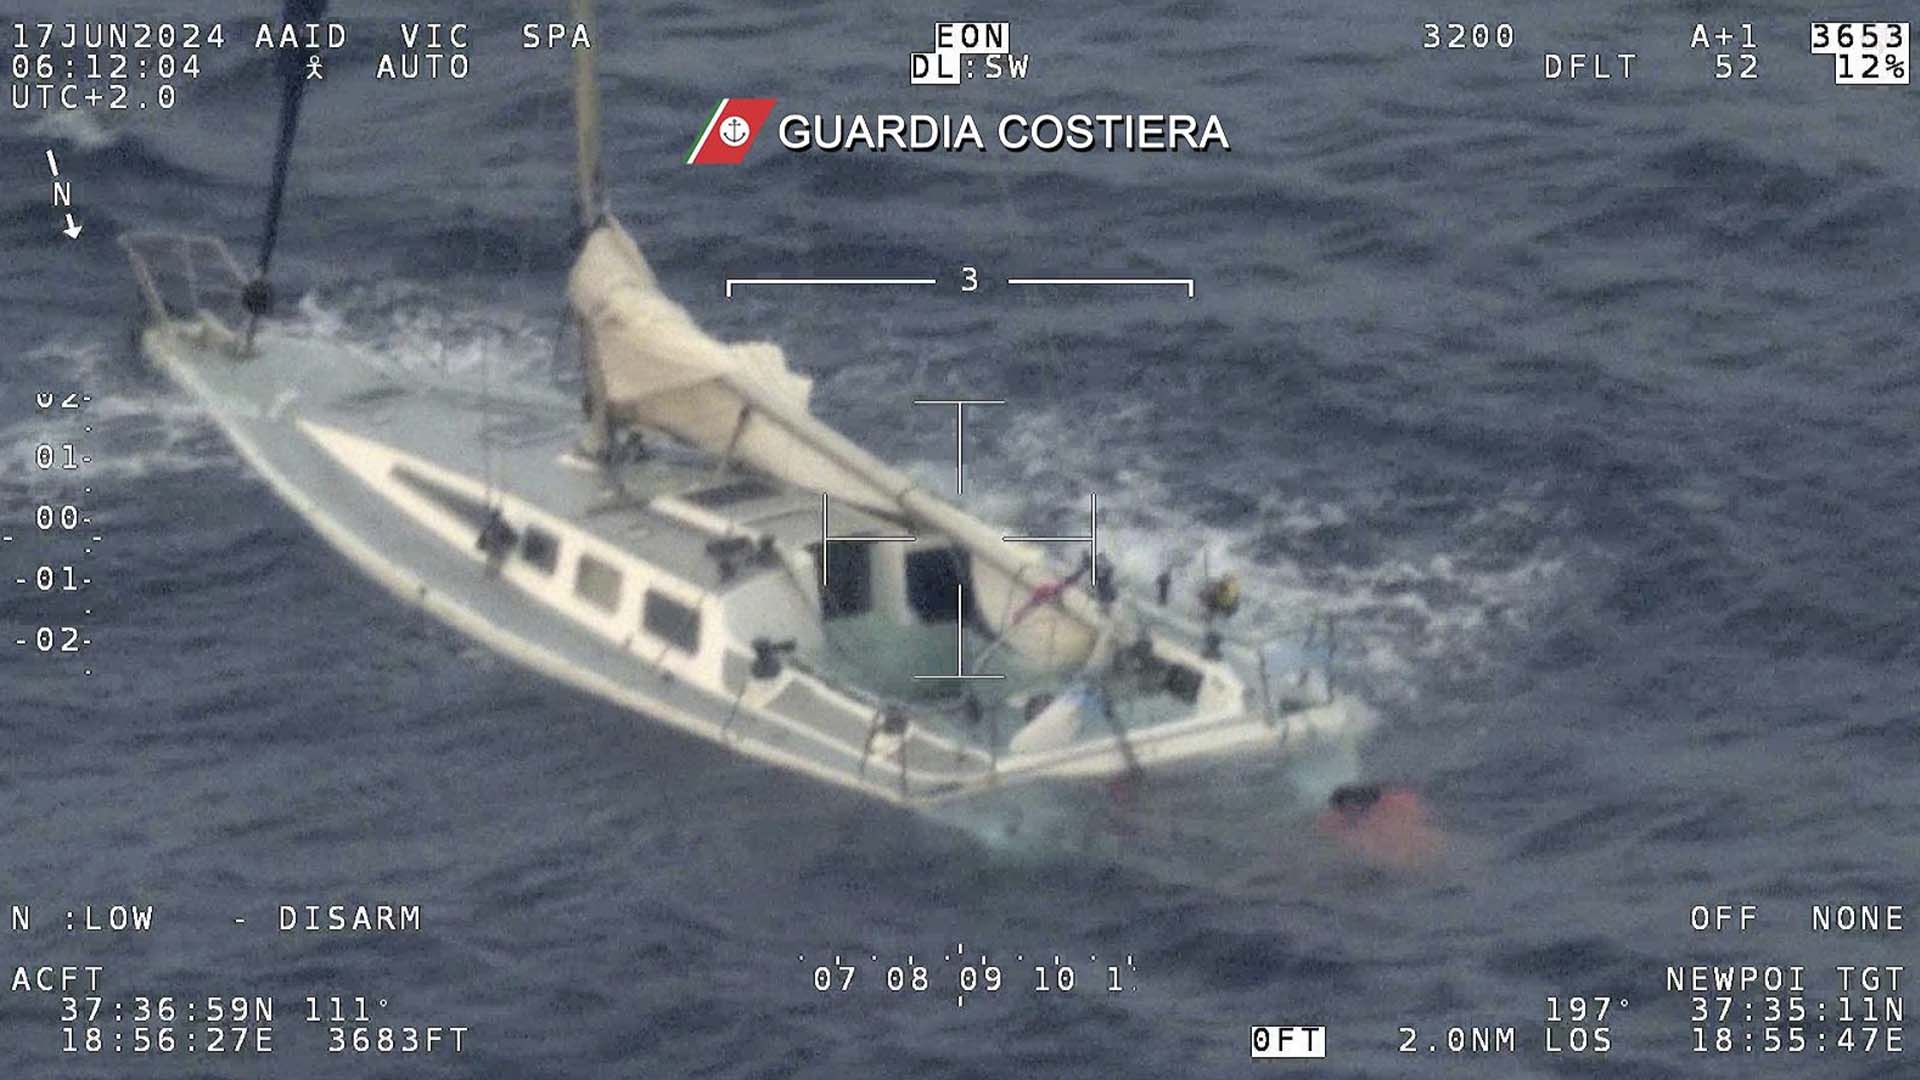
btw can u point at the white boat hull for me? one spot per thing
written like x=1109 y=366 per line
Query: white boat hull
x=383 y=467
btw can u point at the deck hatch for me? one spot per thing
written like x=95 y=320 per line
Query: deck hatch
x=671 y=621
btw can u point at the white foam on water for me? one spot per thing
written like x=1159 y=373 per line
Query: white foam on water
x=145 y=425
x=80 y=128
x=141 y=426
x=1397 y=616
x=406 y=329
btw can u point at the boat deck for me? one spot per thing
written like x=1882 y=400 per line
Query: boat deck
x=405 y=473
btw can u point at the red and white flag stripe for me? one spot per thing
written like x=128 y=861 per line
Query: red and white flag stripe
x=730 y=131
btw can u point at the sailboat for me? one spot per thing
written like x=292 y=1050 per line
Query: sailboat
x=706 y=553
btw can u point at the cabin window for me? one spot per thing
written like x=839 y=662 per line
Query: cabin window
x=539 y=548
x=934 y=581
x=849 y=585
x=597 y=583
x=671 y=621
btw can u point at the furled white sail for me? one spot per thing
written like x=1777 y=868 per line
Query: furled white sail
x=652 y=366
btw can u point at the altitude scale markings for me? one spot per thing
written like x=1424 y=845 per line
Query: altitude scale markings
x=1186 y=283
x=733 y=282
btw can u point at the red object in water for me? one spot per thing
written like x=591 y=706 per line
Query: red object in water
x=1386 y=826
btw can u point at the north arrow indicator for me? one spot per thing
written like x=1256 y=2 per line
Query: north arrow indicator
x=63 y=196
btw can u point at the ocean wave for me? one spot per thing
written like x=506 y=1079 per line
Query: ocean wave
x=132 y=427
x=406 y=328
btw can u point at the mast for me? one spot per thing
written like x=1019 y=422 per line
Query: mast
x=590 y=203
x=588 y=198
x=257 y=297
